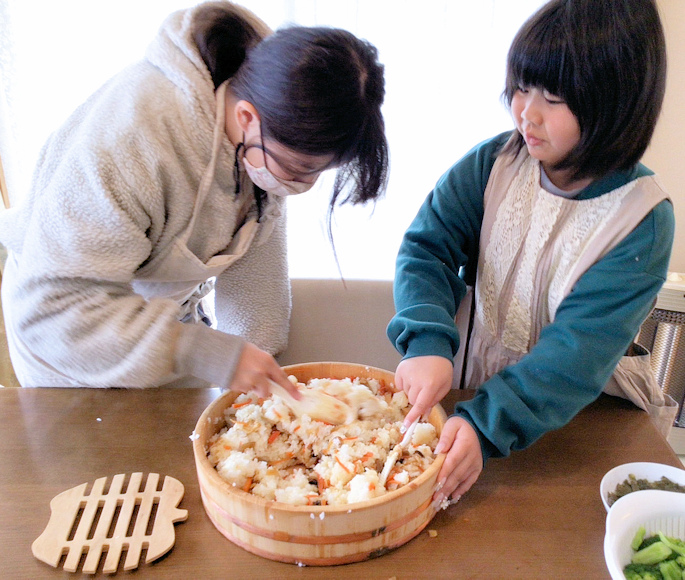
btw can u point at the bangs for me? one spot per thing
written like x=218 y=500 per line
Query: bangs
x=537 y=58
x=538 y=67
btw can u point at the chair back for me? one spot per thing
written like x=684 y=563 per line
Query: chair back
x=336 y=322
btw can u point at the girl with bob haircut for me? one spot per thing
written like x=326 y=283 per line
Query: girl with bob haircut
x=172 y=175
x=564 y=235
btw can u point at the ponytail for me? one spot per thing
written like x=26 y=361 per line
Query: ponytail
x=224 y=34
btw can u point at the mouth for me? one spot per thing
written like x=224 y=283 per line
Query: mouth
x=532 y=141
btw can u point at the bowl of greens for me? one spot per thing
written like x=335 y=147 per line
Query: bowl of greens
x=645 y=536
x=630 y=477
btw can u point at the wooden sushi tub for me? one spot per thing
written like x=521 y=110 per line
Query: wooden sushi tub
x=314 y=535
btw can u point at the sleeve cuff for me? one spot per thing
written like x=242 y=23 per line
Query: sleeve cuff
x=430 y=344
x=208 y=354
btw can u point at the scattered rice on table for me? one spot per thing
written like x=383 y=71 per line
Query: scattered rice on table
x=265 y=450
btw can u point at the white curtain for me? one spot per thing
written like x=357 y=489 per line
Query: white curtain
x=444 y=63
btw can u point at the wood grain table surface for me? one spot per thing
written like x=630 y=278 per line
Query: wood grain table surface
x=535 y=514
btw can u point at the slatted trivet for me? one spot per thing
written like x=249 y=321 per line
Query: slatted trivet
x=108 y=524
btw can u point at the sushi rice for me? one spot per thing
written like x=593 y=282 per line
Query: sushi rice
x=265 y=450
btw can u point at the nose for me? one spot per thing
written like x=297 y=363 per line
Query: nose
x=531 y=110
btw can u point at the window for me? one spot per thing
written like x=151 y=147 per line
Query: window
x=444 y=62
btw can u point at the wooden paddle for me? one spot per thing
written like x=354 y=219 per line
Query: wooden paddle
x=318 y=405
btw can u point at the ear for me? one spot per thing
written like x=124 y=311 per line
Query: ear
x=246 y=115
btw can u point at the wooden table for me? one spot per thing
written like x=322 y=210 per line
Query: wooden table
x=536 y=514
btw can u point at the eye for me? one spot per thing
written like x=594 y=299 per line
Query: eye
x=553 y=99
x=522 y=88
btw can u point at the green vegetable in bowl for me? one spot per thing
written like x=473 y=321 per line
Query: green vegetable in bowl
x=639 y=572
x=674 y=544
x=638 y=539
x=670 y=570
x=634 y=484
x=657 y=557
x=652 y=554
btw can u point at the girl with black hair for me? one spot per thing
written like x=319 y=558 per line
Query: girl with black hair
x=171 y=175
x=566 y=236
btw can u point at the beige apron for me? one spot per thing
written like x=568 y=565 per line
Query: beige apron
x=534 y=248
x=634 y=380
x=178 y=273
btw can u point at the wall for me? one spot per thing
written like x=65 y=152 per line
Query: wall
x=366 y=238
x=666 y=154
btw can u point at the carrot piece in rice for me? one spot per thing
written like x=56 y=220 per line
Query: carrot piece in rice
x=342 y=464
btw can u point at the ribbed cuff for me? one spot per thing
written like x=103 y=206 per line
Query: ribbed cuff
x=430 y=344
x=208 y=354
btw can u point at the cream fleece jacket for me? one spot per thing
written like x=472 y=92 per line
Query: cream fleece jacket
x=113 y=189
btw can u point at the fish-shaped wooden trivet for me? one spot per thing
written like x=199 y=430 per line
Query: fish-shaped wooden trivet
x=111 y=522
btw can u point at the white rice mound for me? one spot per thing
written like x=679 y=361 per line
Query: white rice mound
x=267 y=451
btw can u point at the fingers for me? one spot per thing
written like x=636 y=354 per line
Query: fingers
x=452 y=494
x=255 y=371
x=425 y=380
x=421 y=408
x=282 y=379
x=399 y=380
x=458 y=482
x=447 y=438
x=465 y=485
x=414 y=413
x=463 y=462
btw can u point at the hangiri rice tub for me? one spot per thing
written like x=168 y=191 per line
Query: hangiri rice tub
x=308 y=493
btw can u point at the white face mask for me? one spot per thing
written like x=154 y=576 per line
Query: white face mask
x=263 y=178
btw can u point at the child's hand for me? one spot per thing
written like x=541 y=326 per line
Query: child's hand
x=426 y=380
x=464 y=460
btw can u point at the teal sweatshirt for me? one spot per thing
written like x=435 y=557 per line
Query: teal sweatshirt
x=575 y=355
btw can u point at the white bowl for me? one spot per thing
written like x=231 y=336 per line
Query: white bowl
x=641 y=470
x=656 y=510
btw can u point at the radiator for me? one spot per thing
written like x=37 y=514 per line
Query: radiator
x=663 y=333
